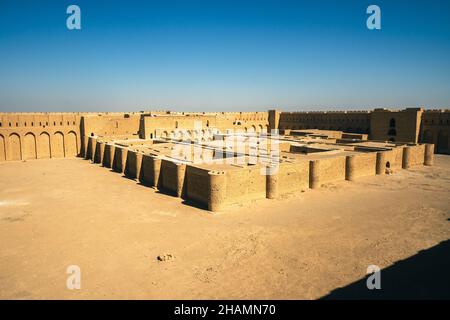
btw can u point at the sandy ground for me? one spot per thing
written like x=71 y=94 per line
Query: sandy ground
x=56 y=213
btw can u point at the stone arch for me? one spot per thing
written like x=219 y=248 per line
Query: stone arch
x=71 y=144
x=44 y=150
x=58 y=145
x=442 y=142
x=260 y=128
x=29 y=146
x=15 y=147
x=2 y=148
x=427 y=136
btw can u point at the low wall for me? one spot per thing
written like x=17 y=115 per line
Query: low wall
x=120 y=158
x=360 y=165
x=245 y=185
x=293 y=177
x=417 y=155
x=108 y=155
x=331 y=169
x=393 y=158
x=133 y=164
x=197 y=185
x=172 y=177
x=150 y=171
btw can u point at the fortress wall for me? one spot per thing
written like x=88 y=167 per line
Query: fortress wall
x=99 y=151
x=245 y=185
x=197 y=185
x=348 y=121
x=435 y=129
x=105 y=124
x=38 y=143
x=172 y=177
x=293 y=177
x=133 y=164
x=417 y=155
x=360 y=165
x=331 y=169
x=120 y=158
x=150 y=165
x=394 y=157
x=108 y=155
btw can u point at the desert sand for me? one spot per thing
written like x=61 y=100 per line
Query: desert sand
x=56 y=213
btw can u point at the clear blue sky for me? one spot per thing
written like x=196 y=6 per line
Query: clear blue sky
x=223 y=55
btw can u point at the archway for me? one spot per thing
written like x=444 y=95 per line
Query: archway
x=15 y=148
x=71 y=144
x=2 y=148
x=58 y=145
x=29 y=146
x=44 y=146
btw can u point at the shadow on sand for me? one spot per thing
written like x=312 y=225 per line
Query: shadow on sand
x=425 y=275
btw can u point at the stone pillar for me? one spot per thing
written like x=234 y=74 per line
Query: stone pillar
x=180 y=170
x=156 y=168
x=381 y=162
x=271 y=182
x=314 y=174
x=217 y=190
x=350 y=168
x=406 y=157
x=429 y=154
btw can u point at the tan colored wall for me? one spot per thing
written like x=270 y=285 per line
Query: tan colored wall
x=245 y=185
x=150 y=169
x=394 y=157
x=27 y=144
x=407 y=125
x=133 y=164
x=332 y=169
x=364 y=164
x=435 y=129
x=293 y=177
x=417 y=155
x=348 y=121
x=197 y=185
x=119 y=161
x=172 y=177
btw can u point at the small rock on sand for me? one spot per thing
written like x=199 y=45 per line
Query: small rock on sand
x=165 y=257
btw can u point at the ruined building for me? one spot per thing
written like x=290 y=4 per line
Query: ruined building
x=217 y=160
